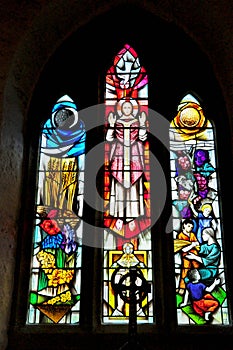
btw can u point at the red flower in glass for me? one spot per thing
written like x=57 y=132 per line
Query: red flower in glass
x=50 y=226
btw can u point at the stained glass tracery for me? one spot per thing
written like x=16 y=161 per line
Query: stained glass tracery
x=201 y=291
x=55 y=281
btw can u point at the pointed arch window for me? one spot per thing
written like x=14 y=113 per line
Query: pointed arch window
x=56 y=263
x=201 y=291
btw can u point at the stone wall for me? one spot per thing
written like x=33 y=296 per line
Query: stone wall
x=30 y=33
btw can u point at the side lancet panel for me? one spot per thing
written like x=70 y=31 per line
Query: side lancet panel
x=55 y=279
x=201 y=292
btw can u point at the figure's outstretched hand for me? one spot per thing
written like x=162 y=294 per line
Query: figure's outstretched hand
x=111 y=119
x=142 y=119
x=190 y=256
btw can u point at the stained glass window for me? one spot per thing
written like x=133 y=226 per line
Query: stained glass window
x=55 y=279
x=127 y=233
x=201 y=292
x=56 y=262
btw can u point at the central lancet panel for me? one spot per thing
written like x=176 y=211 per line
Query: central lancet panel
x=127 y=220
